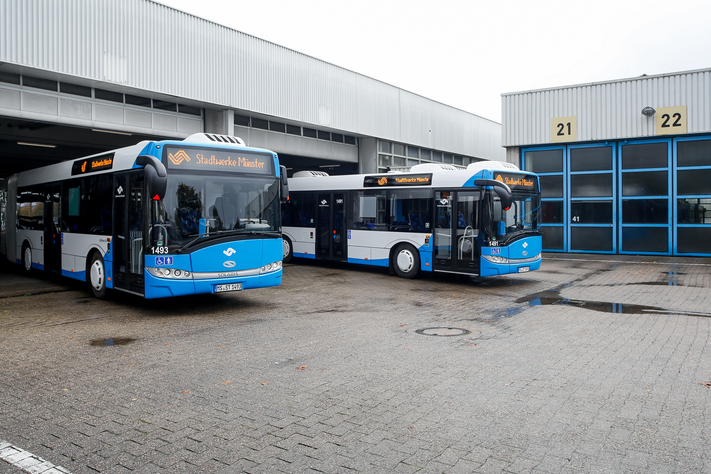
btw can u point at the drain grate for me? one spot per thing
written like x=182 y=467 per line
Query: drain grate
x=446 y=332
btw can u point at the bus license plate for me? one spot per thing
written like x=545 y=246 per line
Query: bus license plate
x=228 y=287
x=523 y=269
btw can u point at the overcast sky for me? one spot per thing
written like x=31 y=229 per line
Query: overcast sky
x=466 y=53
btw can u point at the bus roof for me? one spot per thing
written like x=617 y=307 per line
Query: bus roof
x=429 y=175
x=125 y=158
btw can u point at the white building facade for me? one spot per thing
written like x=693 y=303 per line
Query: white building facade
x=140 y=68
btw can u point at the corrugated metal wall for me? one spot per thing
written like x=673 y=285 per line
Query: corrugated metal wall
x=608 y=110
x=146 y=45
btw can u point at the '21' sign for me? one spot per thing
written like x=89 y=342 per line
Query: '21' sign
x=671 y=120
x=564 y=129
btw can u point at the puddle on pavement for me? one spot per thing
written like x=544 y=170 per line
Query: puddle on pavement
x=552 y=297
x=112 y=341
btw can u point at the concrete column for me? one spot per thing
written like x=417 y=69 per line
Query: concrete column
x=221 y=122
x=367 y=155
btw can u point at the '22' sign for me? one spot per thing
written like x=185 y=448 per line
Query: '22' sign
x=671 y=120
x=666 y=118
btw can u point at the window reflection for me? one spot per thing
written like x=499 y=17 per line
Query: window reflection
x=694 y=211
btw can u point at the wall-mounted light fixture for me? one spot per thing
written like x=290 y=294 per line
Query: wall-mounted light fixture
x=648 y=111
x=43 y=145
x=115 y=132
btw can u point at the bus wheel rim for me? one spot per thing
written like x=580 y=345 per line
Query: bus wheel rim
x=97 y=275
x=28 y=258
x=405 y=260
x=285 y=248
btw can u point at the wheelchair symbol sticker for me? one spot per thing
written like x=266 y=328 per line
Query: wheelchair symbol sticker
x=164 y=260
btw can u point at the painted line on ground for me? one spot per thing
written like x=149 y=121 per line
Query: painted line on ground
x=27 y=461
x=628 y=261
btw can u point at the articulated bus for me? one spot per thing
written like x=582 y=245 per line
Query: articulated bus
x=480 y=221
x=157 y=219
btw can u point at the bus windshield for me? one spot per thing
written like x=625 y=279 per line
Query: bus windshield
x=198 y=207
x=521 y=218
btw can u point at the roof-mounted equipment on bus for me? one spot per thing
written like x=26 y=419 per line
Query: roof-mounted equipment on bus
x=215 y=138
x=430 y=167
x=492 y=165
x=309 y=174
x=156 y=176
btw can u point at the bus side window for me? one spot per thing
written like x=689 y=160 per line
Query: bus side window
x=71 y=207
x=30 y=209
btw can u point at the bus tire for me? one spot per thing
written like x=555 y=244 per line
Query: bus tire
x=96 y=275
x=26 y=258
x=406 y=261
x=288 y=252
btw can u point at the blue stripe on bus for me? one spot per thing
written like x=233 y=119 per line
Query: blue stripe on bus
x=81 y=276
x=305 y=255
x=380 y=262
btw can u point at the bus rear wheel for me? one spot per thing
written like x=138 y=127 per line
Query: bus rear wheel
x=406 y=261
x=96 y=276
x=288 y=249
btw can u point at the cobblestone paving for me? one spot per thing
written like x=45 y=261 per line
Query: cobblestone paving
x=593 y=364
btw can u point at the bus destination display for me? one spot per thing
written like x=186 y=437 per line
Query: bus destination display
x=208 y=159
x=517 y=182
x=397 y=180
x=90 y=165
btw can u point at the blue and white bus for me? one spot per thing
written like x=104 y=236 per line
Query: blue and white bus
x=483 y=220
x=157 y=219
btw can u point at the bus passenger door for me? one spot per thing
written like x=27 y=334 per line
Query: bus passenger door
x=52 y=234
x=128 y=245
x=331 y=234
x=456 y=231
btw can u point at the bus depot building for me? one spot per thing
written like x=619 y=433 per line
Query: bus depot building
x=624 y=166
x=146 y=71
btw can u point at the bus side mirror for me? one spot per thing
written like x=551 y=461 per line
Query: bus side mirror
x=284 y=188
x=156 y=176
x=501 y=189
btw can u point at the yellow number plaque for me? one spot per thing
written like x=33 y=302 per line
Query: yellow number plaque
x=564 y=129
x=671 y=120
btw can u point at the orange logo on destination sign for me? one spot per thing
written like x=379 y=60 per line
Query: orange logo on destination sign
x=383 y=181
x=499 y=178
x=178 y=157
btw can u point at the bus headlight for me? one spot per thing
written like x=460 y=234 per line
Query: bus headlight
x=172 y=273
x=271 y=267
x=495 y=259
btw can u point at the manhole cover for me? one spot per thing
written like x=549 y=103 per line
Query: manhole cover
x=443 y=332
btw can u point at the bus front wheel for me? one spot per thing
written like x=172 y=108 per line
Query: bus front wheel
x=288 y=249
x=26 y=258
x=96 y=276
x=406 y=261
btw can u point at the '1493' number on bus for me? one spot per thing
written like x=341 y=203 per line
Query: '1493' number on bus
x=159 y=250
